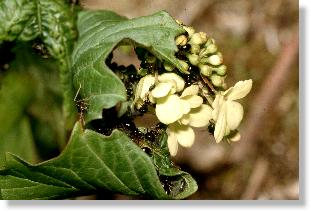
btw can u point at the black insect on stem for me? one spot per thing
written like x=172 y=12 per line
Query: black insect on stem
x=185 y=48
x=82 y=108
x=81 y=105
x=151 y=135
x=147 y=150
x=40 y=49
x=166 y=184
x=193 y=77
x=211 y=128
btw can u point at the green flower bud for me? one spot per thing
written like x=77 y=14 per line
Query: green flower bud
x=205 y=70
x=211 y=49
x=195 y=49
x=217 y=80
x=168 y=66
x=221 y=70
x=196 y=39
x=184 y=65
x=209 y=42
x=203 y=36
x=181 y=40
x=190 y=30
x=215 y=59
x=193 y=58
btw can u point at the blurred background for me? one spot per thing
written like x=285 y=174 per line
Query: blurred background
x=259 y=41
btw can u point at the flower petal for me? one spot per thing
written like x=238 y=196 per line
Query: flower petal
x=166 y=77
x=184 y=134
x=234 y=114
x=172 y=142
x=236 y=137
x=200 y=117
x=240 y=90
x=185 y=105
x=220 y=126
x=217 y=104
x=151 y=99
x=184 y=119
x=144 y=85
x=161 y=90
x=169 y=109
x=191 y=90
x=194 y=100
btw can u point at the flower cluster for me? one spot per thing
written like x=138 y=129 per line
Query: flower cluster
x=204 y=54
x=202 y=103
x=228 y=113
x=179 y=112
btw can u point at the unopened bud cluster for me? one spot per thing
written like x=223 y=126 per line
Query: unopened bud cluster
x=203 y=53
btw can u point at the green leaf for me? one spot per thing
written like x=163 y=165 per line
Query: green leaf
x=15 y=94
x=17 y=16
x=30 y=107
x=90 y=162
x=19 y=141
x=53 y=22
x=15 y=136
x=181 y=183
x=100 y=33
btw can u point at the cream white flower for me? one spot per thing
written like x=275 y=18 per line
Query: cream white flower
x=199 y=115
x=180 y=113
x=169 y=107
x=226 y=112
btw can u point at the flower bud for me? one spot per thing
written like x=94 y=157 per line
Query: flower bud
x=205 y=70
x=221 y=70
x=196 y=39
x=190 y=30
x=168 y=66
x=211 y=49
x=216 y=80
x=203 y=36
x=195 y=49
x=209 y=42
x=193 y=58
x=234 y=137
x=215 y=59
x=181 y=40
x=184 y=65
x=179 y=22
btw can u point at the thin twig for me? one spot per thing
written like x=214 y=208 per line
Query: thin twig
x=257 y=177
x=208 y=83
